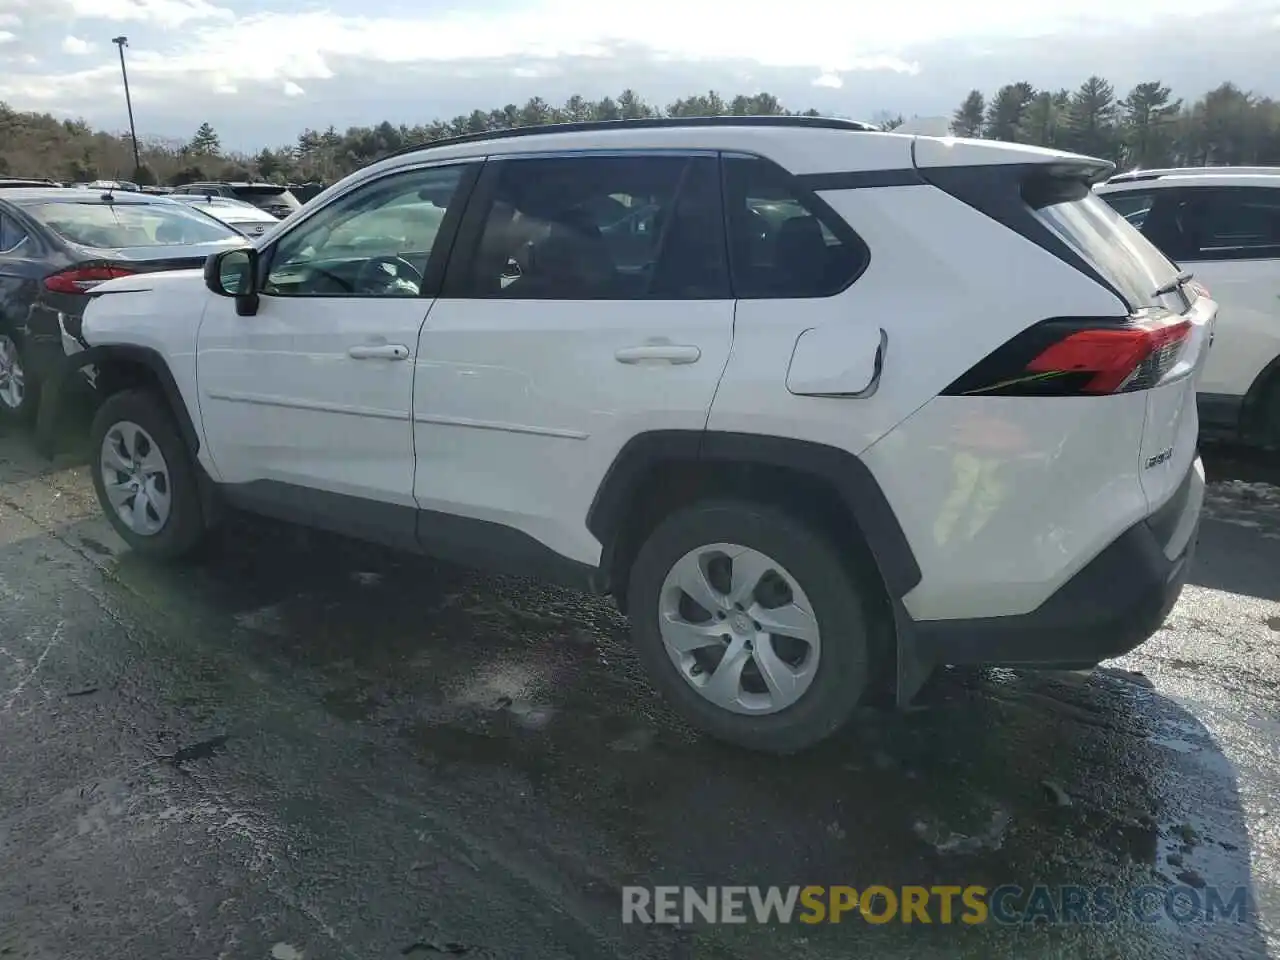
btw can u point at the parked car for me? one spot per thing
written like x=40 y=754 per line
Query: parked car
x=15 y=183
x=271 y=197
x=1222 y=224
x=812 y=453
x=57 y=245
x=127 y=186
x=240 y=216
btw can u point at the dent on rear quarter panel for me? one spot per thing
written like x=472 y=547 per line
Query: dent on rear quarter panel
x=1003 y=499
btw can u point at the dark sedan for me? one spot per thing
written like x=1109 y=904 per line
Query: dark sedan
x=56 y=245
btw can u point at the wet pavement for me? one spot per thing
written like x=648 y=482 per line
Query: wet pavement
x=301 y=746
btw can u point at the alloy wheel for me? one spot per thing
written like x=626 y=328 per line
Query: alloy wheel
x=13 y=383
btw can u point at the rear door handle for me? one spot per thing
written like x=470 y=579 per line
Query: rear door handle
x=659 y=352
x=382 y=351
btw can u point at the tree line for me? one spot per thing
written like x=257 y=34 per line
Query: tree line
x=1147 y=127
x=40 y=145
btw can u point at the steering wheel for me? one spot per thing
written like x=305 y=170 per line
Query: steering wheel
x=373 y=274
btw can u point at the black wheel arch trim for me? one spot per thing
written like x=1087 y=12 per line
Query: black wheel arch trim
x=852 y=480
x=1257 y=393
x=152 y=360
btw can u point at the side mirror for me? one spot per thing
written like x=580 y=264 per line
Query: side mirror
x=234 y=273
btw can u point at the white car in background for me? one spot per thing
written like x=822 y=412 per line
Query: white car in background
x=240 y=216
x=1222 y=226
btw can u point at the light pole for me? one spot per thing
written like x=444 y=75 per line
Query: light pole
x=123 y=42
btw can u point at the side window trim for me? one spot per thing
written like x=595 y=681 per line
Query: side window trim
x=807 y=198
x=456 y=282
x=441 y=249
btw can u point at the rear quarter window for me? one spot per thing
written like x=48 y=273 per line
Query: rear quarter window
x=1130 y=262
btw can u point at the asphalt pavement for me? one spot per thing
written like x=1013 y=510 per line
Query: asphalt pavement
x=303 y=747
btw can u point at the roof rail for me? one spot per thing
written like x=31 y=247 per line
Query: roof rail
x=641 y=123
x=1156 y=173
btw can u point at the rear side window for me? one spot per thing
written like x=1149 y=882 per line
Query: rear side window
x=1229 y=223
x=782 y=242
x=115 y=225
x=600 y=228
x=1117 y=250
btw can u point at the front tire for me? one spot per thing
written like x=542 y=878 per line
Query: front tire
x=19 y=389
x=751 y=624
x=144 y=476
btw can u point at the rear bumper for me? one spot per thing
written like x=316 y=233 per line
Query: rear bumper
x=1116 y=602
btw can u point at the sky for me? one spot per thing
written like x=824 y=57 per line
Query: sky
x=261 y=71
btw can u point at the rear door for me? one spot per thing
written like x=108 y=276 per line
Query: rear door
x=564 y=330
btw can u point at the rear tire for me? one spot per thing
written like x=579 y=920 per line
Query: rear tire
x=144 y=476
x=790 y=692
x=19 y=389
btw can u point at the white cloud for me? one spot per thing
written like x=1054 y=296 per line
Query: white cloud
x=221 y=50
x=9 y=20
x=75 y=46
x=162 y=13
x=7 y=36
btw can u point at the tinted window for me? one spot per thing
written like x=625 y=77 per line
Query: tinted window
x=601 y=228
x=1133 y=206
x=11 y=234
x=1231 y=223
x=1124 y=257
x=373 y=242
x=782 y=243
x=108 y=225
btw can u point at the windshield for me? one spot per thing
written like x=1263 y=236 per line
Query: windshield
x=1124 y=257
x=113 y=225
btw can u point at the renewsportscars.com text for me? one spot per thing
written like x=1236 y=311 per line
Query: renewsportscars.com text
x=1008 y=904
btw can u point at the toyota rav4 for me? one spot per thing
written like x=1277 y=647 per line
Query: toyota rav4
x=822 y=407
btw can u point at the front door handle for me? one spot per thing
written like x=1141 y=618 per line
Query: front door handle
x=382 y=351
x=660 y=352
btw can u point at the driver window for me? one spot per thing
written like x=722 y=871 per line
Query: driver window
x=373 y=242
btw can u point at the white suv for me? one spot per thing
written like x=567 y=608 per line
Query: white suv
x=1223 y=225
x=822 y=407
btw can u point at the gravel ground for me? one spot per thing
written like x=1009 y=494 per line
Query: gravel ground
x=302 y=746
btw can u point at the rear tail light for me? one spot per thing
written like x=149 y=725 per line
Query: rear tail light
x=83 y=279
x=1059 y=358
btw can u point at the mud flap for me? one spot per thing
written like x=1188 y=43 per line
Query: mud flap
x=913 y=668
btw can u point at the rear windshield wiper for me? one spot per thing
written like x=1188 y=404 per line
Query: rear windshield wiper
x=1173 y=285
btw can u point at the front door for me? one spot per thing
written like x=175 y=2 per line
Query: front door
x=314 y=391
x=587 y=301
